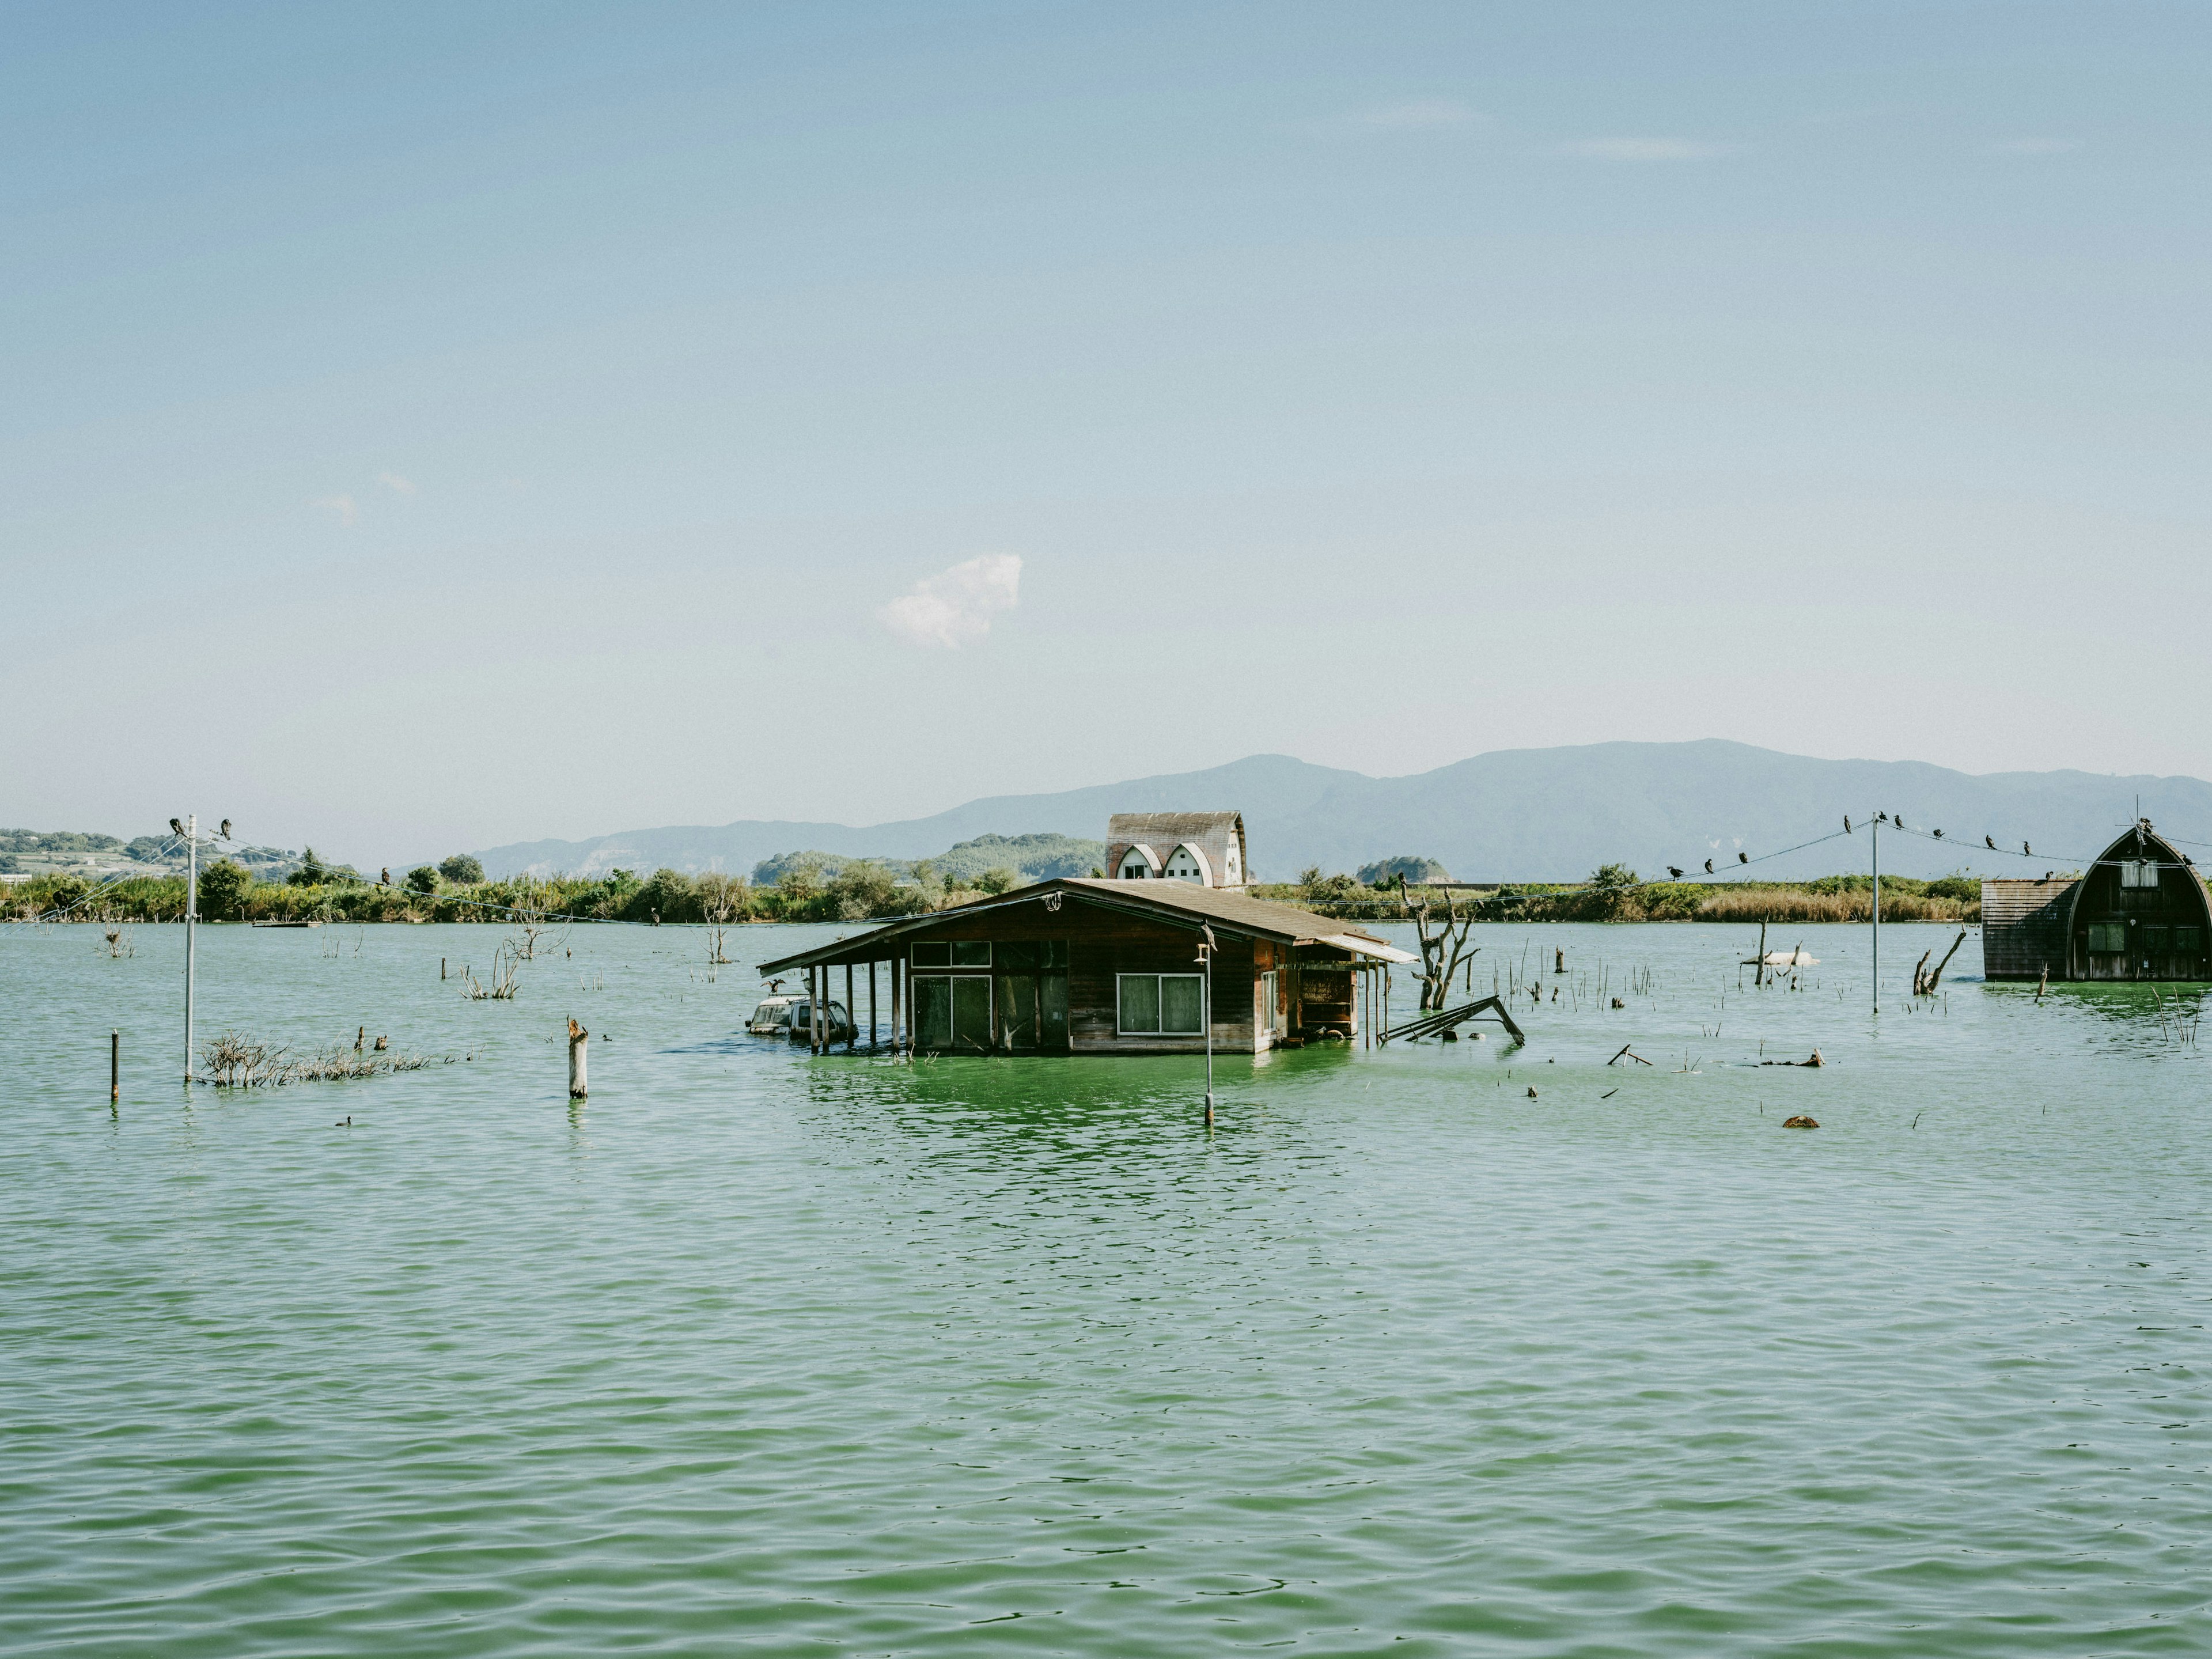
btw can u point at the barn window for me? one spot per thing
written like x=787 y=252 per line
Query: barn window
x=2139 y=872
x=2188 y=941
x=1161 y=1004
x=1185 y=864
x=2108 y=937
x=952 y=953
x=1136 y=865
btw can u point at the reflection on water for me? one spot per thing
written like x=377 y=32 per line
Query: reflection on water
x=754 y=1350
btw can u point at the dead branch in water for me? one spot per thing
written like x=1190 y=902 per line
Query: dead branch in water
x=235 y=1062
x=1923 y=985
x=506 y=962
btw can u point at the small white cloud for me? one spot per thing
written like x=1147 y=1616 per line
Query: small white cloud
x=2034 y=147
x=1421 y=112
x=954 y=607
x=395 y=483
x=342 y=505
x=1644 y=150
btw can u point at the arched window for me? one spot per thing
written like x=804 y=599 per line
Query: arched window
x=1186 y=863
x=1138 y=863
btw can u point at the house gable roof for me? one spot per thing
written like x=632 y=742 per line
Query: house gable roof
x=1175 y=904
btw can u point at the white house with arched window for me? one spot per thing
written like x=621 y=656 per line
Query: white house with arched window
x=1204 y=848
x=1139 y=863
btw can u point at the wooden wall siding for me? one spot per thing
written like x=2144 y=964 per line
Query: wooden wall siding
x=1106 y=949
x=2024 y=928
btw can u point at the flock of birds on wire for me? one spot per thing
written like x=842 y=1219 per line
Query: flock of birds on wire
x=1990 y=842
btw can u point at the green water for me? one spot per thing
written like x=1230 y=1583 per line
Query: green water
x=760 y=1353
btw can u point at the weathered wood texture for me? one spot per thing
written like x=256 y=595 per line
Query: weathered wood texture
x=2024 y=927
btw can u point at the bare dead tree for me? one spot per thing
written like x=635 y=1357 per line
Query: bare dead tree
x=723 y=898
x=533 y=915
x=1443 y=946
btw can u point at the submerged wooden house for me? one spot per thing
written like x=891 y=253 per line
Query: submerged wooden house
x=1086 y=965
x=2140 y=911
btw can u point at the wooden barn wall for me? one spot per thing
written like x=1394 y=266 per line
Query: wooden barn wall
x=1102 y=944
x=2024 y=929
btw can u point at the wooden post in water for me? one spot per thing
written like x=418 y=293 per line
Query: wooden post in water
x=441 y=967
x=895 y=1007
x=579 y=1046
x=852 y=1026
x=872 y=1004
x=114 y=1067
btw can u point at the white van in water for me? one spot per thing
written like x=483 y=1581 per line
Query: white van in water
x=788 y=1014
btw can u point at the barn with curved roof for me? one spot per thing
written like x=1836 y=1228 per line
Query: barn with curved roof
x=2140 y=911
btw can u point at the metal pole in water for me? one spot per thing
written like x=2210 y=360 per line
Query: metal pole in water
x=114 y=1067
x=1206 y=998
x=191 y=918
x=1877 y=919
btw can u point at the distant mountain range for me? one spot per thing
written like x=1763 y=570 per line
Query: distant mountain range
x=1516 y=814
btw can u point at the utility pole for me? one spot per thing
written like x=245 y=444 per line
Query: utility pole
x=190 y=830
x=191 y=920
x=1205 y=1001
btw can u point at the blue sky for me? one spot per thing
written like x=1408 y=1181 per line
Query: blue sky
x=442 y=426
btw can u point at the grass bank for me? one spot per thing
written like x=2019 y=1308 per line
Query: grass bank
x=228 y=892
x=1831 y=898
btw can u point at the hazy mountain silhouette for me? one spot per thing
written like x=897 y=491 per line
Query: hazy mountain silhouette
x=1519 y=814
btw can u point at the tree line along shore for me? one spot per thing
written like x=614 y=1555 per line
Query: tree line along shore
x=861 y=891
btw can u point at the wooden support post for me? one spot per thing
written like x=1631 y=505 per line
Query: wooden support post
x=114 y=1067
x=1759 y=976
x=441 y=967
x=852 y=1026
x=580 y=1048
x=895 y=1007
x=871 y=1005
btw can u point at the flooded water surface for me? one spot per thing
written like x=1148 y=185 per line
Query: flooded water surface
x=761 y=1352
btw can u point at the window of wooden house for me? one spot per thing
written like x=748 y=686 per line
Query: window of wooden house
x=1136 y=865
x=939 y=955
x=2107 y=938
x=2188 y=941
x=1161 y=1004
x=971 y=953
x=2139 y=872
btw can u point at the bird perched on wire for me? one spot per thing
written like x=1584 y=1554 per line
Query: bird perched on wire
x=1939 y=835
x=1847 y=823
x=1675 y=871
x=226 y=828
x=2026 y=851
x=1743 y=857
x=1709 y=866
x=1990 y=843
x=176 y=826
